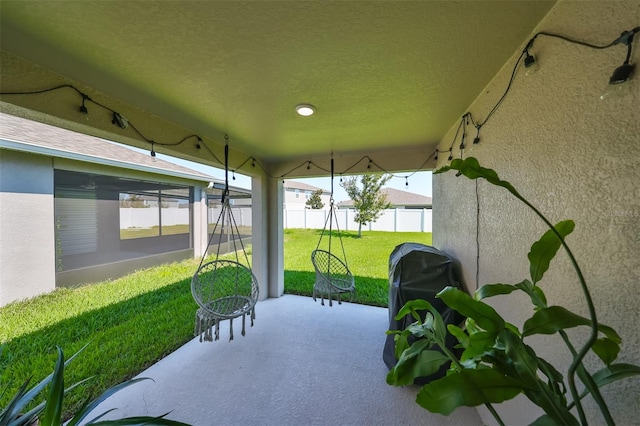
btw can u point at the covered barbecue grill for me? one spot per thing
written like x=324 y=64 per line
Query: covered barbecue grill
x=418 y=271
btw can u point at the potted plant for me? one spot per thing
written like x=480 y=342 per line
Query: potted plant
x=496 y=363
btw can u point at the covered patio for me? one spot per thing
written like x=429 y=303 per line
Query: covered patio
x=397 y=87
x=301 y=364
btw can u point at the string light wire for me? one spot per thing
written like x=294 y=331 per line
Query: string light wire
x=467 y=118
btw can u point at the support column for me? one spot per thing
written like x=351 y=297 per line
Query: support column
x=268 y=235
x=200 y=221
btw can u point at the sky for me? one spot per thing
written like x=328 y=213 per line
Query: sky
x=419 y=183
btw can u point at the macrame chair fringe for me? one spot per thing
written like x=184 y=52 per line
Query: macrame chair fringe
x=207 y=326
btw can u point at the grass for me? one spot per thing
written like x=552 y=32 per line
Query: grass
x=153 y=231
x=132 y=322
x=367 y=258
x=129 y=324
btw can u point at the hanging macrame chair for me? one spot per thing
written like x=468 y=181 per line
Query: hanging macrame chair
x=224 y=289
x=333 y=278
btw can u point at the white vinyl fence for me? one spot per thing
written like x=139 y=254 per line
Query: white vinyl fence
x=392 y=220
x=241 y=215
x=147 y=218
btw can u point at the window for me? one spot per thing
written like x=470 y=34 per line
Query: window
x=103 y=219
x=154 y=213
x=240 y=203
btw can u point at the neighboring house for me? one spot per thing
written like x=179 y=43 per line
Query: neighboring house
x=296 y=195
x=77 y=209
x=398 y=199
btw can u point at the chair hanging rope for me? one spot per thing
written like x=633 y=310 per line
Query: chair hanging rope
x=333 y=277
x=224 y=289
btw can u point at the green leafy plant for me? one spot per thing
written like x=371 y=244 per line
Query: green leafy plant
x=496 y=363
x=49 y=412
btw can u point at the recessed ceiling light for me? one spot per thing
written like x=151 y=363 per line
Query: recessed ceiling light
x=305 y=110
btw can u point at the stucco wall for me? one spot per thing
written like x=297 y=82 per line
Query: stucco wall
x=575 y=157
x=26 y=231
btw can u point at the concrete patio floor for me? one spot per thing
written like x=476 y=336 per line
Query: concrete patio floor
x=301 y=364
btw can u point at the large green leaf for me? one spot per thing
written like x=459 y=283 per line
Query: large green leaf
x=484 y=315
x=545 y=249
x=143 y=420
x=458 y=333
x=479 y=344
x=526 y=365
x=544 y=420
x=610 y=374
x=606 y=349
x=402 y=343
x=52 y=415
x=524 y=361
x=472 y=169
x=556 y=380
x=467 y=388
x=81 y=414
x=615 y=372
x=555 y=318
x=434 y=322
x=535 y=293
x=423 y=364
x=490 y=290
x=412 y=307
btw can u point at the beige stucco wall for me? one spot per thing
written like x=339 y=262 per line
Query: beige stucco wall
x=575 y=157
x=27 y=249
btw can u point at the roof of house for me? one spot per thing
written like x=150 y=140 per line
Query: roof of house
x=398 y=198
x=24 y=135
x=291 y=184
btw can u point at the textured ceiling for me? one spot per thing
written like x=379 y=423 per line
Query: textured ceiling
x=382 y=75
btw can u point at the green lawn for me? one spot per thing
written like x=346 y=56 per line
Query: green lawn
x=132 y=322
x=367 y=258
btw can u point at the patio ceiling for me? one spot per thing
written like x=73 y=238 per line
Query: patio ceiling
x=385 y=77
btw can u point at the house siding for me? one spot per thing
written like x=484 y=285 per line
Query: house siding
x=26 y=226
x=32 y=260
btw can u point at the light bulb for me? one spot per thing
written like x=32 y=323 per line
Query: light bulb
x=83 y=107
x=621 y=82
x=530 y=64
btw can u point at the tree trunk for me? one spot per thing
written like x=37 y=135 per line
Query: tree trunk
x=359 y=230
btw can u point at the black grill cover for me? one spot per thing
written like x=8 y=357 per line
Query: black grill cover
x=418 y=271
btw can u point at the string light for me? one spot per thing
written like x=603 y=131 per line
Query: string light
x=621 y=75
x=153 y=153
x=83 y=107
